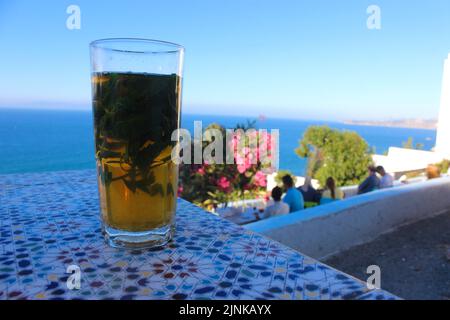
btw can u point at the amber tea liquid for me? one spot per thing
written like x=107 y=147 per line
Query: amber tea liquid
x=134 y=117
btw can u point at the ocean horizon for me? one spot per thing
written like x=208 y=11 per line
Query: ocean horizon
x=35 y=140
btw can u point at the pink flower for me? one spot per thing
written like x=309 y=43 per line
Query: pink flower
x=244 y=162
x=180 y=190
x=201 y=171
x=241 y=168
x=223 y=183
x=260 y=179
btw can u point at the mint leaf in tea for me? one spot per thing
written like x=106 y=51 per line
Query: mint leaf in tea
x=134 y=117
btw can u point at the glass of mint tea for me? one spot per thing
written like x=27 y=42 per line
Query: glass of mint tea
x=136 y=97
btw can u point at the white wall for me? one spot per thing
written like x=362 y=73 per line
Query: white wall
x=331 y=228
x=298 y=183
x=404 y=160
x=443 y=131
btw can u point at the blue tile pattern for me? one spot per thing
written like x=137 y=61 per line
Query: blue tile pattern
x=49 y=221
x=378 y=295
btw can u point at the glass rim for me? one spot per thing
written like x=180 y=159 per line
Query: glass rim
x=165 y=46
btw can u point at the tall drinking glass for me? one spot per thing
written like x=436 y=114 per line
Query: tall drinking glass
x=136 y=93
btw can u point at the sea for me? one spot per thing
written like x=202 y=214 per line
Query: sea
x=49 y=140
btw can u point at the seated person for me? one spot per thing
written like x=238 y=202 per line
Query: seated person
x=386 y=181
x=293 y=197
x=308 y=192
x=433 y=172
x=331 y=192
x=278 y=207
x=371 y=183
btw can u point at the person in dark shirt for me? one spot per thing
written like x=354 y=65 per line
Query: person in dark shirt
x=308 y=192
x=371 y=183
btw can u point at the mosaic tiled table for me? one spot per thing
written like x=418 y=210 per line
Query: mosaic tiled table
x=49 y=221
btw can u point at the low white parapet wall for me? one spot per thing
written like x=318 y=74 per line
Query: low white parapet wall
x=329 y=229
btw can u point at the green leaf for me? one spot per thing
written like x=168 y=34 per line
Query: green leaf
x=136 y=114
x=155 y=189
x=170 y=189
x=130 y=184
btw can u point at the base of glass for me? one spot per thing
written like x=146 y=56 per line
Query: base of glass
x=155 y=238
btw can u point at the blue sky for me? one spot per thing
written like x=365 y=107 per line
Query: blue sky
x=312 y=59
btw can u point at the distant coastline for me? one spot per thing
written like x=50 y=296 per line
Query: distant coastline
x=429 y=124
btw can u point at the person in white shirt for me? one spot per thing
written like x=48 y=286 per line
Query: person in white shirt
x=278 y=208
x=387 y=181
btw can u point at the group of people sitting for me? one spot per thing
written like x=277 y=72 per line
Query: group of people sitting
x=296 y=199
x=373 y=182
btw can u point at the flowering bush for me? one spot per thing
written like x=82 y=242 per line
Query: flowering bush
x=211 y=184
